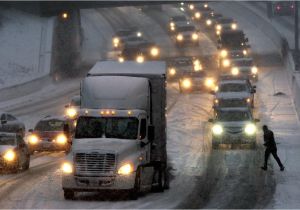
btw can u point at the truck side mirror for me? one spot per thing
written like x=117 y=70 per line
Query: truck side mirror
x=151 y=133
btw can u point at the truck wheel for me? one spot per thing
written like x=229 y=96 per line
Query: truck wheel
x=162 y=180
x=134 y=194
x=69 y=194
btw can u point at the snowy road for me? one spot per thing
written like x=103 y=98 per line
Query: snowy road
x=201 y=177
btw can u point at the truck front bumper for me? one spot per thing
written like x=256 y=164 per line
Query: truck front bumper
x=118 y=182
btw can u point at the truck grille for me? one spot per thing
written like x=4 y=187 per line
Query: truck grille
x=95 y=164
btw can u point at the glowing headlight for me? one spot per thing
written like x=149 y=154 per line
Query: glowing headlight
x=235 y=71
x=233 y=26
x=33 y=139
x=226 y=63
x=172 y=24
x=9 y=155
x=179 y=37
x=248 y=100
x=205 y=5
x=125 y=169
x=71 y=112
x=208 y=22
x=245 y=52
x=219 y=27
x=67 y=168
x=186 y=83
x=217 y=129
x=250 y=129
x=195 y=36
x=61 y=139
x=140 y=59
x=209 y=82
x=218 y=32
x=191 y=7
x=172 y=71
x=139 y=34
x=121 y=59
x=224 y=53
x=197 y=67
x=216 y=101
x=154 y=51
x=172 y=28
x=116 y=41
x=198 y=15
x=254 y=70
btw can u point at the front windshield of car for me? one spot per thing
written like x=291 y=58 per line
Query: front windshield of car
x=124 y=33
x=179 y=18
x=232 y=87
x=50 y=125
x=225 y=21
x=233 y=116
x=109 y=127
x=194 y=74
x=7 y=140
x=186 y=28
x=232 y=102
x=233 y=39
x=243 y=63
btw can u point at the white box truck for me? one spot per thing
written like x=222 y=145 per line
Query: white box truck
x=120 y=137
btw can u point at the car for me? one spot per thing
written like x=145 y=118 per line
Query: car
x=72 y=108
x=195 y=80
x=244 y=67
x=178 y=65
x=186 y=34
x=201 y=12
x=9 y=123
x=283 y=8
x=225 y=24
x=14 y=153
x=124 y=34
x=231 y=101
x=233 y=127
x=241 y=88
x=211 y=19
x=50 y=134
x=173 y=21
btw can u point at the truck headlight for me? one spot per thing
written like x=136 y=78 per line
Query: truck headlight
x=61 y=139
x=125 y=169
x=33 y=139
x=208 y=22
x=198 y=15
x=217 y=129
x=198 y=67
x=71 y=112
x=186 y=83
x=245 y=52
x=233 y=26
x=250 y=129
x=219 y=27
x=195 y=36
x=209 y=82
x=140 y=59
x=254 y=70
x=226 y=63
x=224 y=53
x=179 y=37
x=172 y=71
x=235 y=71
x=67 y=168
x=154 y=51
x=9 y=156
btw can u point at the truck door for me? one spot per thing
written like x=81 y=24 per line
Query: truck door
x=145 y=144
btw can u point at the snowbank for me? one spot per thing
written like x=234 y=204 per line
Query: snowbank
x=26 y=42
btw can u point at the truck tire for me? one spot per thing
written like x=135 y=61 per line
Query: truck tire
x=134 y=193
x=162 y=180
x=69 y=194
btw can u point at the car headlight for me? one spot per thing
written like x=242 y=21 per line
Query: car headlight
x=121 y=59
x=33 y=139
x=217 y=129
x=198 y=15
x=209 y=82
x=198 y=67
x=216 y=101
x=140 y=59
x=179 y=37
x=250 y=129
x=139 y=34
x=254 y=70
x=205 y=5
x=172 y=24
x=208 y=22
x=224 y=53
x=219 y=27
x=226 y=63
x=191 y=7
x=245 y=52
x=186 y=83
x=125 y=169
x=116 y=41
x=71 y=112
x=233 y=26
x=248 y=100
x=9 y=155
x=195 y=36
x=172 y=28
x=172 y=71
x=67 y=167
x=218 y=32
x=154 y=51
x=61 y=139
x=235 y=71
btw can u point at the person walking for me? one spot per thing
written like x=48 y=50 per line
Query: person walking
x=271 y=148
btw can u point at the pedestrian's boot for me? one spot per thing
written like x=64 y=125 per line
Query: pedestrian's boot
x=264 y=168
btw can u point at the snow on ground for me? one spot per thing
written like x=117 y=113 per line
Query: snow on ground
x=22 y=40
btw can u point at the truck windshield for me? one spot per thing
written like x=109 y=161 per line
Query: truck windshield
x=233 y=102
x=110 y=127
x=50 y=125
x=7 y=140
x=233 y=88
x=233 y=116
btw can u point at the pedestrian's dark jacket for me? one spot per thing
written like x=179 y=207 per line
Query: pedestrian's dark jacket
x=269 y=140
